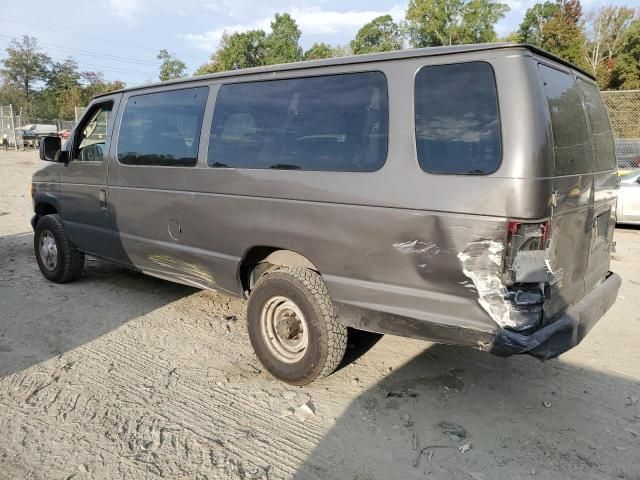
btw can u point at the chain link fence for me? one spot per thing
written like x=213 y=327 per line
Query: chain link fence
x=7 y=126
x=624 y=112
x=25 y=132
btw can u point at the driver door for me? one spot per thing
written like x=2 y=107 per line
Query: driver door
x=83 y=180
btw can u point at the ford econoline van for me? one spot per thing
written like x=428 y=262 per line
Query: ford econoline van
x=464 y=195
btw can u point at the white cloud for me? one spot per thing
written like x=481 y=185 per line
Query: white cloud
x=210 y=40
x=125 y=9
x=311 y=20
x=314 y=20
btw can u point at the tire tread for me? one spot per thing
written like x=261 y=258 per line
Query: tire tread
x=72 y=259
x=316 y=292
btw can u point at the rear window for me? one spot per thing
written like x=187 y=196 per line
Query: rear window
x=457 y=121
x=162 y=128
x=330 y=122
x=601 y=134
x=568 y=122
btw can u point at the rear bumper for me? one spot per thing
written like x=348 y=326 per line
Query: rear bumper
x=548 y=342
x=566 y=332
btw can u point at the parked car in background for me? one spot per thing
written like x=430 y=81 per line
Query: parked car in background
x=29 y=138
x=64 y=134
x=41 y=129
x=627 y=154
x=628 y=208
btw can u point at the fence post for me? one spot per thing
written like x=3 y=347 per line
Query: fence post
x=13 y=128
x=1 y=121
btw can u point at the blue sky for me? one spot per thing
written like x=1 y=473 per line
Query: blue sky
x=122 y=37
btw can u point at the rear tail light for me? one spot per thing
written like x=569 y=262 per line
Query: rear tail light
x=527 y=236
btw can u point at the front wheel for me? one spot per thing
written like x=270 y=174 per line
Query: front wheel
x=58 y=259
x=293 y=326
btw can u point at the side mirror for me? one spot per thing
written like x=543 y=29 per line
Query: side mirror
x=62 y=156
x=49 y=148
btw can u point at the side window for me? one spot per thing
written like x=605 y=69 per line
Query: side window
x=162 y=128
x=604 y=150
x=568 y=122
x=457 y=120
x=92 y=136
x=324 y=123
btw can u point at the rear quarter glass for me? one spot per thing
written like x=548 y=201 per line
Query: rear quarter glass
x=568 y=122
x=602 y=137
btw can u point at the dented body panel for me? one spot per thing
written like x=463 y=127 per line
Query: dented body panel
x=401 y=251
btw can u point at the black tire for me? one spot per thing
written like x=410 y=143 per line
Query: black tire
x=327 y=337
x=70 y=262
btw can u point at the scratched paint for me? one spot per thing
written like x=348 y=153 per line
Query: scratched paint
x=188 y=272
x=411 y=247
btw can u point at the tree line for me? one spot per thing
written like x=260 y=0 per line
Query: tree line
x=39 y=87
x=605 y=42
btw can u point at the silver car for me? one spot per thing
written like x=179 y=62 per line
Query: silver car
x=628 y=209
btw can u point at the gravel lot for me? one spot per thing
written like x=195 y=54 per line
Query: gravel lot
x=120 y=375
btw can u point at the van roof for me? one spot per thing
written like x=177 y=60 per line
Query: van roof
x=371 y=57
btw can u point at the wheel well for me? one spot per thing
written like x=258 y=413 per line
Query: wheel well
x=259 y=260
x=43 y=209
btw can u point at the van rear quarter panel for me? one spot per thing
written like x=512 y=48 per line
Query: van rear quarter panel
x=393 y=241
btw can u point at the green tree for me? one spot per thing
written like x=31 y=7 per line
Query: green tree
x=211 y=67
x=626 y=72
x=11 y=94
x=452 y=22
x=25 y=65
x=62 y=92
x=318 y=51
x=558 y=28
x=240 y=50
x=534 y=21
x=255 y=48
x=281 y=45
x=342 y=50
x=95 y=84
x=607 y=29
x=171 y=68
x=563 y=34
x=381 y=34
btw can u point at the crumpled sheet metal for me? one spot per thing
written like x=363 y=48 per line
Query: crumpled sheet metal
x=481 y=263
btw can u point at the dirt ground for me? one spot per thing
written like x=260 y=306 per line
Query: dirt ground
x=119 y=375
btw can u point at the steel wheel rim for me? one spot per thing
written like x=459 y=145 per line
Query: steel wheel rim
x=284 y=329
x=48 y=250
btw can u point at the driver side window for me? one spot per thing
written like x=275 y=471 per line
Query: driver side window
x=92 y=135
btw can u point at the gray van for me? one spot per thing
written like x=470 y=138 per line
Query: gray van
x=465 y=195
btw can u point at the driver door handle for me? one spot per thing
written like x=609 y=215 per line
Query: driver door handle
x=103 y=199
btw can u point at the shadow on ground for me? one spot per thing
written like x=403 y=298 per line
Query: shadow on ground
x=55 y=318
x=455 y=413
x=448 y=413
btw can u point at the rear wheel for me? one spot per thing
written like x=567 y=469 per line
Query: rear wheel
x=58 y=259
x=293 y=326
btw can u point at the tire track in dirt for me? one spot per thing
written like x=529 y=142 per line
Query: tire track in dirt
x=235 y=410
